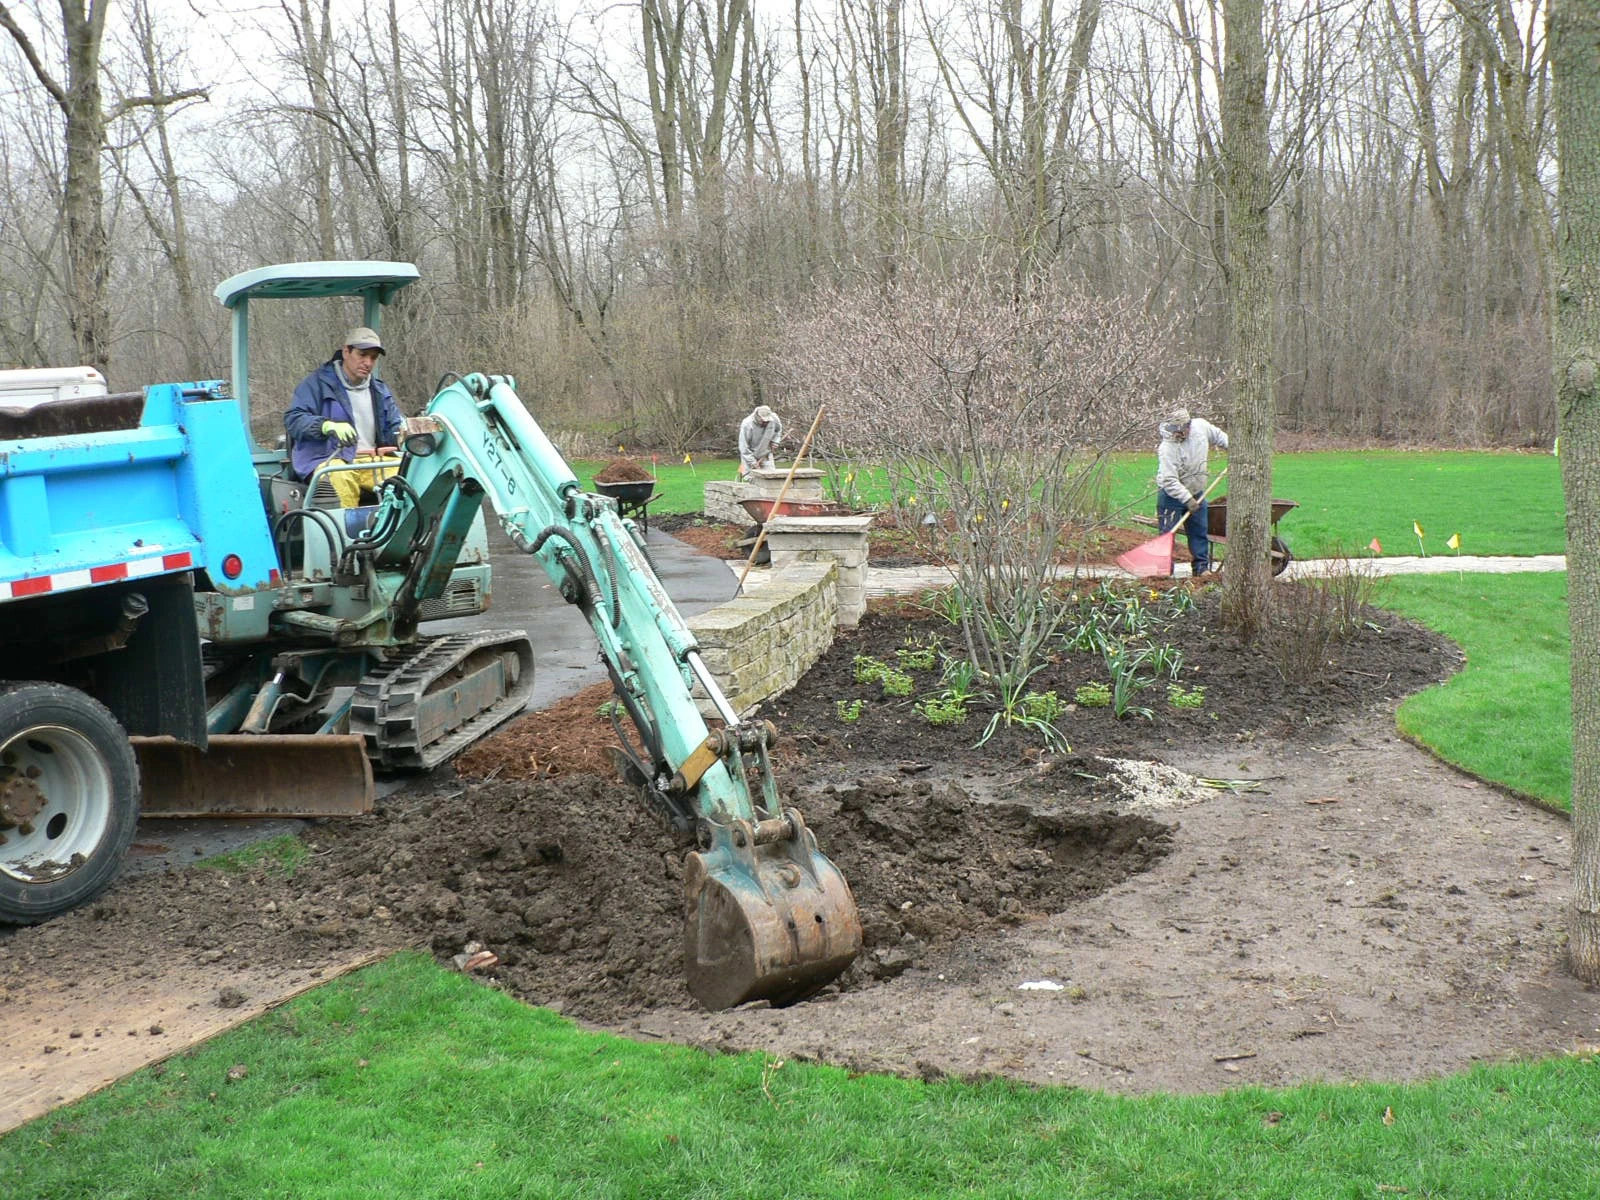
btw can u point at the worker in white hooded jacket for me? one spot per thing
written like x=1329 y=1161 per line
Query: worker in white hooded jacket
x=1181 y=479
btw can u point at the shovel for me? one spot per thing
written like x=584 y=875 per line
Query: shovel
x=1154 y=557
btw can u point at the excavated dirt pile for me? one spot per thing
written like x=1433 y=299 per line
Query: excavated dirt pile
x=622 y=470
x=578 y=892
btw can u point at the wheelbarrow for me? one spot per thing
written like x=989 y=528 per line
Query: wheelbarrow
x=761 y=509
x=632 y=496
x=1217 y=530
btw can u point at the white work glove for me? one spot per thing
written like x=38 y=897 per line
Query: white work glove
x=1193 y=504
x=343 y=430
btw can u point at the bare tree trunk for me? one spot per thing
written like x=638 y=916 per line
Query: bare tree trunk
x=662 y=39
x=398 y=87
x=171 y=227
x=889 y=125
x=1575 y=54
x=1246 y=182
x=88 y=249
x=314 y=29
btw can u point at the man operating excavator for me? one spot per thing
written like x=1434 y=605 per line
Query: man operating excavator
x=343 y=413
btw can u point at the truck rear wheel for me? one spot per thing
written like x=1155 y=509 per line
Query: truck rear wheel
x=69 y=799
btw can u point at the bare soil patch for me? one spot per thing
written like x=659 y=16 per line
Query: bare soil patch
x=1083 y=917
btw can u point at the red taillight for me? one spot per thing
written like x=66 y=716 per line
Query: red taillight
x=232 y=566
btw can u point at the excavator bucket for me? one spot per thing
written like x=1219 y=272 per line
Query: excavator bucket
x=256 y=775
x=769 y=917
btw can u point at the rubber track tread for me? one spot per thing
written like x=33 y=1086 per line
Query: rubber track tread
x=385 y=705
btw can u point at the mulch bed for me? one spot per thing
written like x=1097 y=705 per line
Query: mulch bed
x=1246 y=696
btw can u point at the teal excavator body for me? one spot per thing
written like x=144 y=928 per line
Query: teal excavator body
x=768 y=916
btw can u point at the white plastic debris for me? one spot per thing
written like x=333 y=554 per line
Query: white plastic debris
x=1041 y=985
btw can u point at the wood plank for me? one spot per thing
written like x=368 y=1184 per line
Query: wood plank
x=61 y=1042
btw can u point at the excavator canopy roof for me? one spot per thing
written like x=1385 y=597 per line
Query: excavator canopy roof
x=308 y=280
x=375 y=282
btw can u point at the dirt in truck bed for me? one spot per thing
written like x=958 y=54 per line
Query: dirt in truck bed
x=1271 y=888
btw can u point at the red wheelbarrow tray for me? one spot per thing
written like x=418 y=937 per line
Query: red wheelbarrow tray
x=760 y=508
x=1217 y=516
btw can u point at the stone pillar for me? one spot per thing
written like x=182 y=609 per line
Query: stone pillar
x=840 y=540
x=807 y=484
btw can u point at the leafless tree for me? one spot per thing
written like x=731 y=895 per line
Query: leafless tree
x=1575 y=32
x=1246 y=162
x=76 y=89
x=994 y=412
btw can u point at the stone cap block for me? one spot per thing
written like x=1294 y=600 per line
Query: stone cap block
x=779 y=474
x=856 y=524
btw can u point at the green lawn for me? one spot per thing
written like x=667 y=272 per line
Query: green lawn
x=1507 y=716
x=405 y=1080
x=680 y=486
x=1499 y=502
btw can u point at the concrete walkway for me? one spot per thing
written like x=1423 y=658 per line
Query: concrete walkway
x=899 y=581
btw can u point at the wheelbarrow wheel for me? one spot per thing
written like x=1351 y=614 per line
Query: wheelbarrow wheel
x=764 y=554
x=1281 y=558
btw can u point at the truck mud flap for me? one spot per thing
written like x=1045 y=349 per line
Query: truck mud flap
x=256 y=775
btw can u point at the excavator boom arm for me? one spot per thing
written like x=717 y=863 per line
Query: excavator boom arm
x=486 y=446
x=768 y=916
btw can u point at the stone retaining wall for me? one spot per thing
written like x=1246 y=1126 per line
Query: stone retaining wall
x=722 y=498
x=760 y=643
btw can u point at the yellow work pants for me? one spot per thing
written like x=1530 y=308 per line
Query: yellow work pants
x=349 y=484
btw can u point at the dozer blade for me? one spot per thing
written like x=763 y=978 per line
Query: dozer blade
x=255 y=775
x=769 y=917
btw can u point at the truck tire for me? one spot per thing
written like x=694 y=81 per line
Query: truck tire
x=69 y=799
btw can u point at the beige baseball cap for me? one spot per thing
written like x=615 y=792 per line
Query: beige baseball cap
x=362 y=338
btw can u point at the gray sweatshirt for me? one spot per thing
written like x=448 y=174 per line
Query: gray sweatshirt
x=1181 y=462
x=756 y=440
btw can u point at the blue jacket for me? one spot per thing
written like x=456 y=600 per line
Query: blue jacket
x=321 y=397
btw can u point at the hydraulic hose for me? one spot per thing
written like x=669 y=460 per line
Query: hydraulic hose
x=591 y=580
x=322 y=521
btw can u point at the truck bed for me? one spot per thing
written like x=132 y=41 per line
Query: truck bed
x=82 y=505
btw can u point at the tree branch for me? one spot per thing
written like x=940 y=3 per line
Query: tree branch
x=129 y=103
x=57 y=92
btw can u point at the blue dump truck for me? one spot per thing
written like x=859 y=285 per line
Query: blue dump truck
x=189 y=627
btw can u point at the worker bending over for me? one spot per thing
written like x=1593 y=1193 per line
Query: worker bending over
x=759 y=435
x=1181 y=479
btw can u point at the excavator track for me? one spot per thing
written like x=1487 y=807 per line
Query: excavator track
x=416 y=712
